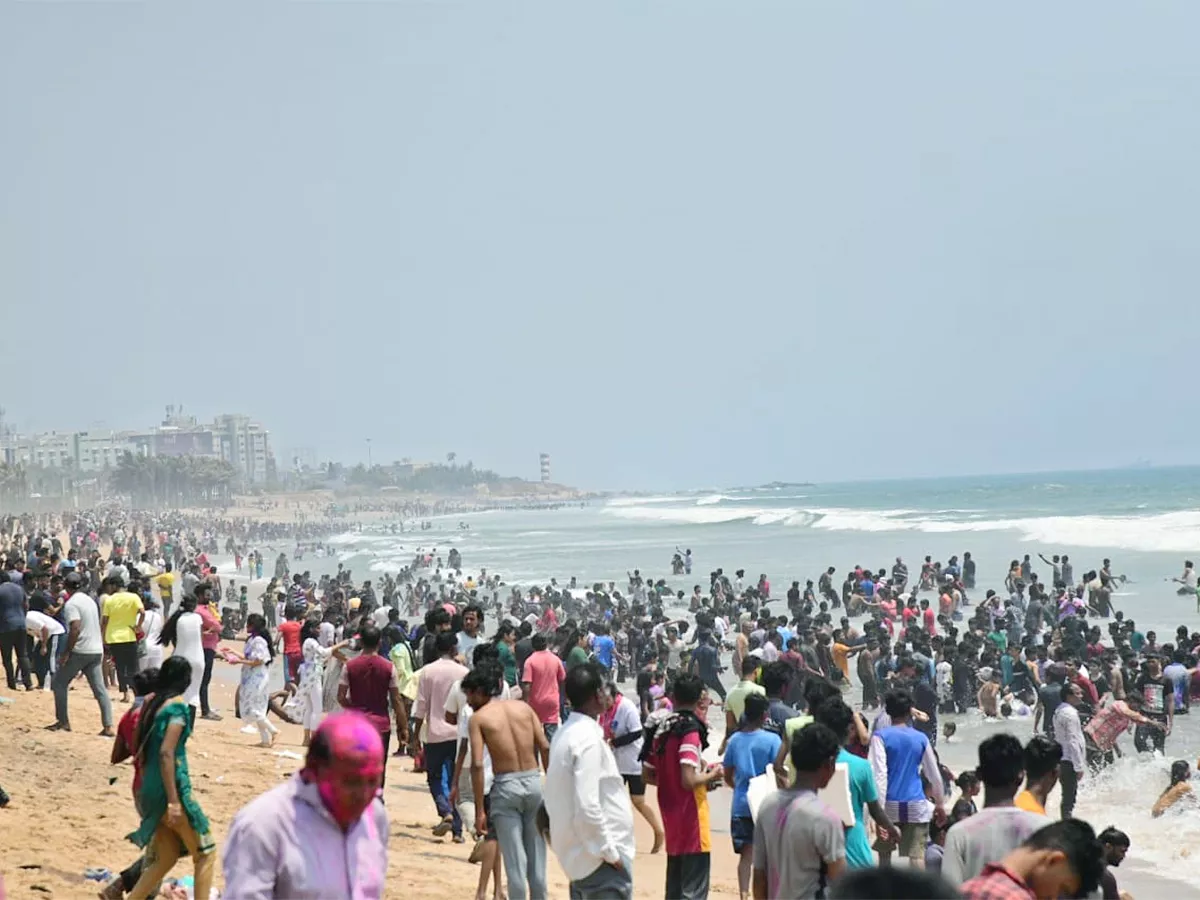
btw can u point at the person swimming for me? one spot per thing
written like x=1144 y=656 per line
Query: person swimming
x=1179 y=791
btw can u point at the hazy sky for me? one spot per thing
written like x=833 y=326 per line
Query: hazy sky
x=672 y=244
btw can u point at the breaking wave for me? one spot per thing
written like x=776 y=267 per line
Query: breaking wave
x=1173 y=532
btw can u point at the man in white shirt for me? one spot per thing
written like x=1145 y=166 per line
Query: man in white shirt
x=46 y=633
x=83 y=651
x=591 y=818
x=472 y=619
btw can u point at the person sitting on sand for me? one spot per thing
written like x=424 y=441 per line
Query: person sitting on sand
x=279 y=704
x=1179 y=792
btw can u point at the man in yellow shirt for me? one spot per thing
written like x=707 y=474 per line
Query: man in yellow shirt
x=120 y=619
x=1042 y=756
x=735 y=700
x=166 y=589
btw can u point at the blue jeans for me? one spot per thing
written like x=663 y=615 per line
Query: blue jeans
x=46 y=663
x=439 y=770
x=515 y=798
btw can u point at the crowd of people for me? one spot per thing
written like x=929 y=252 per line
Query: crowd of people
x=546 y=733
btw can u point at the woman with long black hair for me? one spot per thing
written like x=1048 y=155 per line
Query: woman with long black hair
x=183 y=632
x=312 y=676
x=254 y=695
x=172 y=820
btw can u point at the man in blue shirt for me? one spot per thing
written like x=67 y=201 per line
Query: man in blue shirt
x=603 y=647
x=12 y=633
x=785 y=633
x=866 y=587
x=899 y=756
x=749 y=753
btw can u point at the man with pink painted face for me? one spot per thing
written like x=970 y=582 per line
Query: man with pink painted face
x=321 y=835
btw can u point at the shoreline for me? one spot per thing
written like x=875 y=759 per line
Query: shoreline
x=241 y=768
x=1139 y=876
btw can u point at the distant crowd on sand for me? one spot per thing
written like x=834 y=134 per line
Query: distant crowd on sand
x=545 y=730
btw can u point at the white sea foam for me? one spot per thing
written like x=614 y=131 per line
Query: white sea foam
x=638 y=501
x=1122 y=795
x=1175 y=532
x=695 y=515
x=713 y=499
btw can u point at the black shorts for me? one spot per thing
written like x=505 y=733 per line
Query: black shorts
x=637 y=787
x=741 y=829
x=688 y=876
x=491 y=823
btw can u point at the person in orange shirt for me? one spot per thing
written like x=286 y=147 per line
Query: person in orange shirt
x=1042 y=756
x=842 y=653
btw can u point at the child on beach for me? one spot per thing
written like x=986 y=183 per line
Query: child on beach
x=936 y=849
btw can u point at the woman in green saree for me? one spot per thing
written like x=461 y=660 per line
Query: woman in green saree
x=172 y=821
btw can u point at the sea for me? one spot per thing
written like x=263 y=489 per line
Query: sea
x=1146 y=520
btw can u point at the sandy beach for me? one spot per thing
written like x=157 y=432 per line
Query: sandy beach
x=71 y=810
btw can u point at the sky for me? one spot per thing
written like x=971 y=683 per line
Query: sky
x=671 y=244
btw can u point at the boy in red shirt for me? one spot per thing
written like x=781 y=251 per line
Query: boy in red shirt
x=672 y=760
x=289 y=638
x=125 y=747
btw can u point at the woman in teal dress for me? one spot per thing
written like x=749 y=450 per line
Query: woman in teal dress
x=172 y=821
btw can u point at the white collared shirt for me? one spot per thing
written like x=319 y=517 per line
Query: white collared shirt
x=591 y=817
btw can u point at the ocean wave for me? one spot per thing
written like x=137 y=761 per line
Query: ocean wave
x=697 y=515
x=637 y=501
x=1122 y=795
x=1174 y=532
x=713 y=499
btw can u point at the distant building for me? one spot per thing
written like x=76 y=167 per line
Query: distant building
x=50 y=449
x=236 y=439
x=244 y=444
x=544 y=460
x=96 y=451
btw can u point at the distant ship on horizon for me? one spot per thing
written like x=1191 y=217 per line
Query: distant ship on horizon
x=1139 y=464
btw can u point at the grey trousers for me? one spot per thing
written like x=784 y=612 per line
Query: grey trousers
x=606 y=883
x=90 y=664
x=515 y=798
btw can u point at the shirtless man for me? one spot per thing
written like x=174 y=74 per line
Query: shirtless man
x=989 y=697
x=513 y=737
x=486 y=679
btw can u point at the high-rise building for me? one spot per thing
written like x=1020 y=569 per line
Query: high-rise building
x=238 y=440
x=244 y=444
x=544 y=460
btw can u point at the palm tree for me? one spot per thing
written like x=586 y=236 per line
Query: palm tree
x=451 y=457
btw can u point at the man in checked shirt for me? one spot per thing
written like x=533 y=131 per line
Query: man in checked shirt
x=1062 y=860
